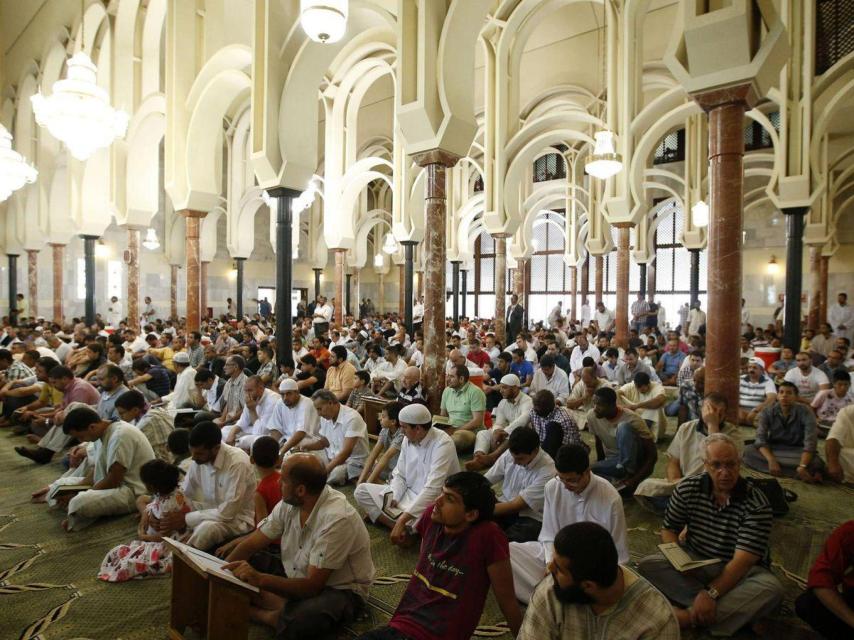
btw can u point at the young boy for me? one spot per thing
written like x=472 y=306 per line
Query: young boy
x=265 y=457
x=362 y=389
x=383 y=458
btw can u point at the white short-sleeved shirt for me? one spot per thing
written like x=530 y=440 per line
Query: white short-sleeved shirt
x=127 y=445
x=301 y=417
x=334 y=537
x=827 y=404
x=348 y=424
x=808 y=385
x=843 y=428
x=264 y=410
x=687 y=445
x=528 y=482
x=507 y=411
x=752 y=394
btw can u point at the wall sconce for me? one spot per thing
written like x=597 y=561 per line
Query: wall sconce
x=231 y=274
x=773 y=268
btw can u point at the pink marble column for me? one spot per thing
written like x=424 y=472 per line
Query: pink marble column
x=33 y=281
x=58 y=266
x=573 y=286
x=622 y=311
x=433 y=369
x=203 y=288
x=340 y=254
x=419 y=283
x=500 y=286
x=599 y=278
x=585 y=279
x=194 y=219
x=815 y=288
x=519 y=278
x=825 y=260
x=401 y=279
x=380 y=306
x=725 y=108
x=173 y=292
x=132 y=260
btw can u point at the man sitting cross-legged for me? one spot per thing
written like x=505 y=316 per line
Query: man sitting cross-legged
x=463 y=553
x=491 y=443
x=575 y=495
x=221 y=484
x=686 y=453
x=118 y=453
x=427 y=457
x=294 y=417
x=554 y=425
x=256 y=419
x=839 y=447
x=463 y=403
x=326 y=556
x=590 y=596
x=523 y=471
x=729 y=519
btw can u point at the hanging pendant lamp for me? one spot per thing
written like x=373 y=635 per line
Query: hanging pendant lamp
x=15 y=171
x=324 y=21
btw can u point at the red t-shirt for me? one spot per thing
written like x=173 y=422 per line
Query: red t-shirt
x=447 y=591
x=833 y=565
x=481 y=359
x=270 y=490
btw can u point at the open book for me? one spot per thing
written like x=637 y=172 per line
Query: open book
x=206 y=563
x=680 y=559
x=393 y=513
x=71 y=488
x=442 y=421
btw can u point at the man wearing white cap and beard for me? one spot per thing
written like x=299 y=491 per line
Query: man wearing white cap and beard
x=295 y=417
x=428 y=456
x=489 y=444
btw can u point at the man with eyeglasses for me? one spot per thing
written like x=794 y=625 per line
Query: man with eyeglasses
x=727 y=519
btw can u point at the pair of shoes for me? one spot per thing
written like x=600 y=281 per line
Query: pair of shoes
x=38 y=455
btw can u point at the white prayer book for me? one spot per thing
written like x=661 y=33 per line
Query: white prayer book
x=680 y=559
x=206 y=563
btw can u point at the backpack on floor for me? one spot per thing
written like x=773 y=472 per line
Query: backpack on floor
x=778 y=497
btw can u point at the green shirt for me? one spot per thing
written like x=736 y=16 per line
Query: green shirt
x=461 y=405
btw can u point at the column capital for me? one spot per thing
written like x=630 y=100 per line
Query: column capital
x=436 y=156
x=794 y=211
x=284 y=192
x=621 y=225
x=409 y=242
x=192 y=213
x=738 y=94
x=88 y=236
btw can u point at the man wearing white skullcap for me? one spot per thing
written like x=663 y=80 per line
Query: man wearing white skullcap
x=489 y=444
x=428 y=456
x=295 y=417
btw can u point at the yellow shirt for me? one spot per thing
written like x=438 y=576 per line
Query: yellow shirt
x=165 y=355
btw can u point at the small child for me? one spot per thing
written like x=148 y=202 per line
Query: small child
x=361 y=388
x=178 y=443
x=643 y=358
x=148 y=555
x=268 y=493
x=379 y=467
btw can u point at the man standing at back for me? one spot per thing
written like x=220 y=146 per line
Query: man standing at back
x=515 y=318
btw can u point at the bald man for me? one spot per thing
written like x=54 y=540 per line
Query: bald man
x=410 y=387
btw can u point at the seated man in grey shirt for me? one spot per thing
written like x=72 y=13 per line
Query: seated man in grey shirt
x=326 y=556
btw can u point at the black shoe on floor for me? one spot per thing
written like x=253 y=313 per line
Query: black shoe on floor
x=39 y=455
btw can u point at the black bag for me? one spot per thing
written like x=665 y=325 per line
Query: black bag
x=778 y=497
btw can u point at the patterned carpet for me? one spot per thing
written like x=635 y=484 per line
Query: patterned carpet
x=48 y=587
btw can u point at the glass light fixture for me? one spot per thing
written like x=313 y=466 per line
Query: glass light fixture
x=151 y=242
x=700 y=214
x=390 y=244
x=102 y=250
x=15 y=171
x=378 y=261
x=773 y=268
x=78 y=111
x=605 y=161
x=324 y=20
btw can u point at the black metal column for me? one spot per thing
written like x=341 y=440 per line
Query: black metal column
x=284 y=274
x=239 y=263
x=455 y=290
x=695 y=276
x=464 y=292
x=13 y=289
x=347 y=309
x=408 y=284
x=317 y=273
x=89 y=263
x=794 y=276
x=642 y=289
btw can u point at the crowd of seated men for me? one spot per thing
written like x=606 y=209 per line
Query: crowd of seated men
x=529 y=512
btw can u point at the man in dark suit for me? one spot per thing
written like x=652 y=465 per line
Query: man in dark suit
x=515 y=318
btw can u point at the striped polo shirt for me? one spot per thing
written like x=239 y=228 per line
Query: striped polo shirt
x=752 y=394
x=744 y=523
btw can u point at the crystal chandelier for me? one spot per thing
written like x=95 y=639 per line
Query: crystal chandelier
x=15 y=172
x=389 y=245
x=78 y=111
x=605 y=161
x=151 y=242
x=700 y=214
x=324 y=20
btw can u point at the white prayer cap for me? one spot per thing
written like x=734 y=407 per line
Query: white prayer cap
x=759 y=362
x=415 y=414
x=288 y=384
x=511 y=380
x=182 y=357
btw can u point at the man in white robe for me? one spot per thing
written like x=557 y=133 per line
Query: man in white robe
x=256 y=417
x=575 y=495
x=428 y=456
x=295 y=417
x=840 y=316
x=183 y=394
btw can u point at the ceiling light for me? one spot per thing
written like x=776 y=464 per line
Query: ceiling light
x=389 y=245
x=773 y=268
x=324 y=21
x=605 y=161
x=700 y=214
x=15 y=171
x=151 y=242
x=378 y=261
x=102 y=250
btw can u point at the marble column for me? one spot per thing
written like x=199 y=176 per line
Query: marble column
x=573 y=286
x=815 y=288
x=13 y=289
x=650 y=280
x=725 y=108
x=203 y=288
x=284 y=273
x=464 y=291
x=500 y=289
x=401 y=283
x=408 y=285
x=599 y=277
x=33 y=281
x=642 y=278
x=622 y=306
x=340 y=255
x=57 y=254
x=193 y=226
x=519 y=278
x=348 y=277
x=317 y=273
x=173 y=292
x=380 y=306
x=455 y=290
x=433 y=369
x=89 y=265
x=132 y=260
x=794 y=276
x=239 y=264
x=694 y=281
x=585 y=279
x=825 y=260
x=419 y=279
